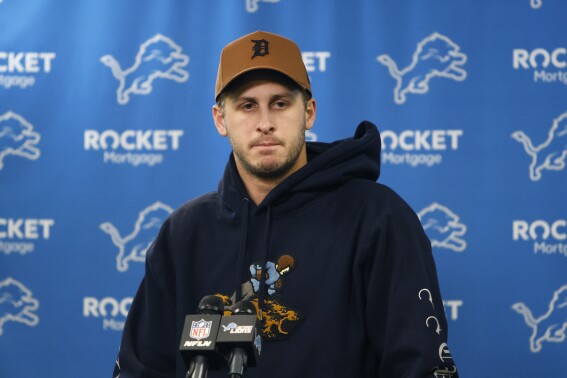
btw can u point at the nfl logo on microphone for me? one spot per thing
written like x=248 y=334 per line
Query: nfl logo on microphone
x=200 y=329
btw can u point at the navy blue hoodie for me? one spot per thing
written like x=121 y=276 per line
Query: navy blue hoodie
x=350 y=286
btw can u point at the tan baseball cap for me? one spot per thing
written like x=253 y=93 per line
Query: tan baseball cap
x=261 y=50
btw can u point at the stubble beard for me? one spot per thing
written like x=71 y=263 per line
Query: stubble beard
x=273 y=170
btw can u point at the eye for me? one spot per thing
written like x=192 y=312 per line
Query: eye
x=247 y=106
x=280 y=104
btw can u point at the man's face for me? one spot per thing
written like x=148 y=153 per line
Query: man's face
x=265 y=122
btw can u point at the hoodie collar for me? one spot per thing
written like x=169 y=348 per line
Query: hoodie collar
x=329 y=164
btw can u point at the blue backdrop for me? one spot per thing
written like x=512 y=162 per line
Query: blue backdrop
x=105 y=127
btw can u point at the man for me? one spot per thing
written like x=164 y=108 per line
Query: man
x=360 y=296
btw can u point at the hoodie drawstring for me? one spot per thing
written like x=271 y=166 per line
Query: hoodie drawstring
x=241 y=251
x=241 y=268
x=264 y=272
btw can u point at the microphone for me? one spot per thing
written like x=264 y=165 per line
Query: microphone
x=198 y=339
x=239 y=340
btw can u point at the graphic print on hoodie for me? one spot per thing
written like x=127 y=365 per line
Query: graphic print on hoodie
x=277 y=320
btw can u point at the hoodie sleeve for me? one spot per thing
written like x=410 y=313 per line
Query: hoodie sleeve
x=404 y=311
x=146 y=349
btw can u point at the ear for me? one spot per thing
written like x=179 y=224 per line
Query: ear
x=219 y=120
x=310 y=113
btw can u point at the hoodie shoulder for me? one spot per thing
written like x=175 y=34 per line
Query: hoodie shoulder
x=379 y=197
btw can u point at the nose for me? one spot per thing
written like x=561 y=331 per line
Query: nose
x=265 y=123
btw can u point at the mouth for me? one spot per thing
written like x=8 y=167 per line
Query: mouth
x=262 y=145
x=265 y=144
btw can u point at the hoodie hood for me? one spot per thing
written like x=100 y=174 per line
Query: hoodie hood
x=329 y=164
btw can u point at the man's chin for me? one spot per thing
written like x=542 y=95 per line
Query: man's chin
x=271 y=170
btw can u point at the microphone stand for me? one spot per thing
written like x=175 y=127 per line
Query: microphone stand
x=199 y=368
x=237 y=363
